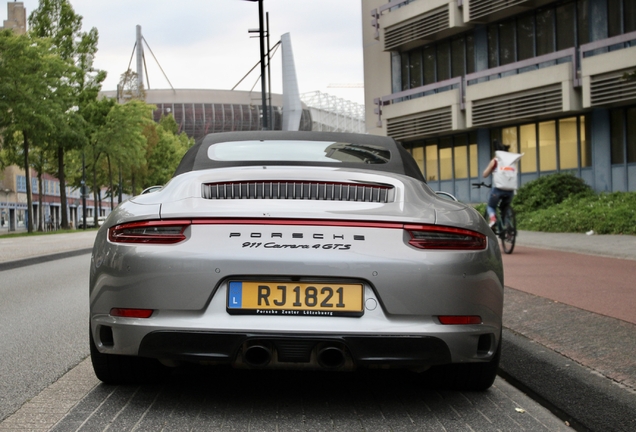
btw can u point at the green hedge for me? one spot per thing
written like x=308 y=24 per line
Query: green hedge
x=548 y=191
x=564 y=203
x=606 y=213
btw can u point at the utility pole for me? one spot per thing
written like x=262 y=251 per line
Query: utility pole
x=261 y=37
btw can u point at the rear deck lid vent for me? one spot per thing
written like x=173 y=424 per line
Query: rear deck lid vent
x=301 y=190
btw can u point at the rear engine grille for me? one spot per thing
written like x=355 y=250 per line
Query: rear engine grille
x=319 y=191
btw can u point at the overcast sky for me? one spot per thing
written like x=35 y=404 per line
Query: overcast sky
x=205 y=43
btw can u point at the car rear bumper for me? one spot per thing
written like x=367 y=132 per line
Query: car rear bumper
x=295 y=349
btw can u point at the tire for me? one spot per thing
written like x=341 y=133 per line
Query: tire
x=465 y=376
x=119 y=369
x=509 y=231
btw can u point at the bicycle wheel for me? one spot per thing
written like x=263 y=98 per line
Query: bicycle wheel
x=509 y=230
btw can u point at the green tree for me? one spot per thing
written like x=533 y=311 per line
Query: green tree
x=32 y=95
x=56 y=19
x=121 y=139
x=164 y=153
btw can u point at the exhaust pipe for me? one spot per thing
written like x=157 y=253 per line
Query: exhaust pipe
x=257 y=355
x=331 y=357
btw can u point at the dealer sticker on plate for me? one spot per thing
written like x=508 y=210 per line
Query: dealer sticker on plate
x=294 y=298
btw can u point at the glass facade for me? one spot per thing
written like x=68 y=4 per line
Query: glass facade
x=550 y=145
x=447 y=158
x=438 y=62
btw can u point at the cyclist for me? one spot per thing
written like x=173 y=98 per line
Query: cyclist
x=503 y=168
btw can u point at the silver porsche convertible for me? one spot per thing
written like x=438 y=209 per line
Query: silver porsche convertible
x=296 y=250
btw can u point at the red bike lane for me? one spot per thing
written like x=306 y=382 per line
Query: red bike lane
x=602 y=285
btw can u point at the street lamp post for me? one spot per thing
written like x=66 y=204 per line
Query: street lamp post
x=261 y=36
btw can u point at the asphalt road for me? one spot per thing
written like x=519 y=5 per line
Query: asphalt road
x=44 y=321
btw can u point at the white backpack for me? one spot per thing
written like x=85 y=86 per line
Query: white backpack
x=505 y=175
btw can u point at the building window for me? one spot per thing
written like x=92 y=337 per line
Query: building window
x=473 y=162
x=568 y=143
x=545 y=32
x=460 y=157
x=446 y=159
x=528 y=146
x=629 y=11
x=436 y=62
x=617 y=131
x=509 y=138
x=585 y=144
x=431 y=161
x=547 y=146
x=418 y=155
x=623 y=135
x=429 y=64
x=565 y=34
x=525 y=37
x=507 y=52
x=457 y=57
x=582 y=21
x=630 y=119
x=614 y=14
x=415 y=69
x=443 y=61
x=20 y=183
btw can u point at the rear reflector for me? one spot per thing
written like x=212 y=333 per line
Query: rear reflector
x=155 y=232
x=460 y=319
x=441 y=237
x=131 y=313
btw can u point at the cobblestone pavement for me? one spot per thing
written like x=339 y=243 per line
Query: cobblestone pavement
x=203 y=399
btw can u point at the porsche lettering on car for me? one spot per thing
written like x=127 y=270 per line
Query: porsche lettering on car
x=296 y=250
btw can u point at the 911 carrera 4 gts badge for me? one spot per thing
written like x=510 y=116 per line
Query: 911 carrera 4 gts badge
x=274 y=245
x=338 y=241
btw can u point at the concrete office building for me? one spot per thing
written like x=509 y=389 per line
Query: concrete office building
x=447 y=77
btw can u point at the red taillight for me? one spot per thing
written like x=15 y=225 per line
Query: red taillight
x=131 y=313
x=155 y=232
x=441 y=237
x=459 y=319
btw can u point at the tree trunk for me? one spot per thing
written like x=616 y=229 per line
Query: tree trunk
x=110 y=180
x=120 y=185
x=62 y=179
x=40 y=202
x=27 y=175
x=95 y=192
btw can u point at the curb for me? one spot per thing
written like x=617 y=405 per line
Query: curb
x=10 y=265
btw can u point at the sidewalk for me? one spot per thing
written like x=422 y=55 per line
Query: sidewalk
x=20 y=248
x=614 y=246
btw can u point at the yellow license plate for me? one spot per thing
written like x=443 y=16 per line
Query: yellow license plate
x=294 y=298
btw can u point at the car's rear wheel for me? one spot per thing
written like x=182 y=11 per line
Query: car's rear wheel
x=119 y=369
x=465 y=376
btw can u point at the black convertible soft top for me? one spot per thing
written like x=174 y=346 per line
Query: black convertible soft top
x=400 y=161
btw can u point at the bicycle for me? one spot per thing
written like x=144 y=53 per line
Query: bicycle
x=506 y=227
